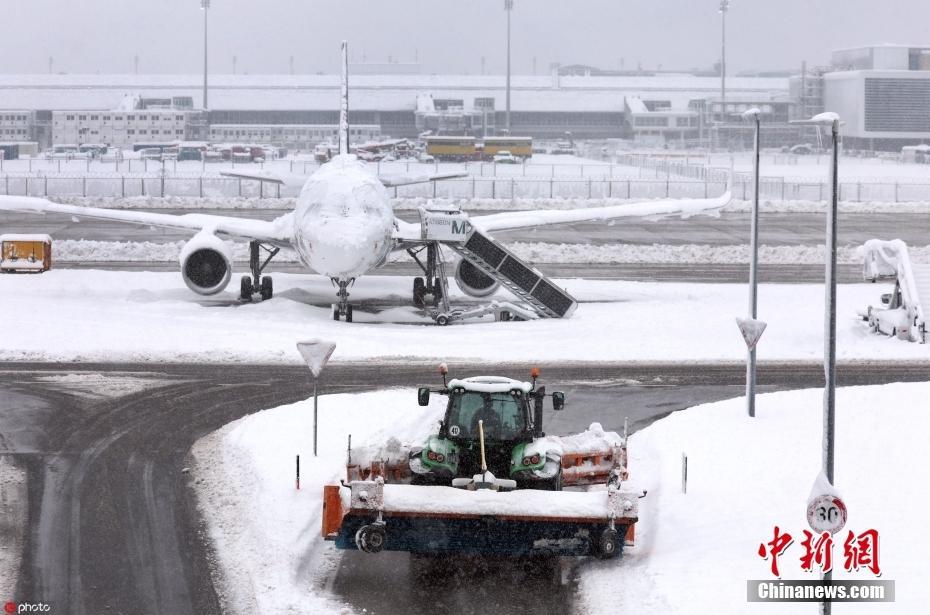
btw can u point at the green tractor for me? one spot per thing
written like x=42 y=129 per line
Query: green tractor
x=493 y=427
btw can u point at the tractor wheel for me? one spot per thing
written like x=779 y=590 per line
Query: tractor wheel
x=608 y=544
x=419 y=289
x=245 y=288
x=267 y=288
x=442 y=320
x=374 y=540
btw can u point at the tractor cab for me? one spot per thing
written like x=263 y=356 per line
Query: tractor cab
x=499 y=403
x=499 y=418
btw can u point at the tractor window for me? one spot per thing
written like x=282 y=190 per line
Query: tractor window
x=501 y=413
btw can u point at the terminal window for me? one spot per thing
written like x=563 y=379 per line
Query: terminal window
x=897 y=105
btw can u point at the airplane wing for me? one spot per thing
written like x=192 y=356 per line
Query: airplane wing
x=648 y=209
x=277 y=232
x=285 y=179
x=297 y=181
x=391 y=181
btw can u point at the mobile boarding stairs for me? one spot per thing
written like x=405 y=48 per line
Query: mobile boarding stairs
x=538 y=296
x=904 y=311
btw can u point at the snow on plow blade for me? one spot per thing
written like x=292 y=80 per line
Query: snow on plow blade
x=373 y=516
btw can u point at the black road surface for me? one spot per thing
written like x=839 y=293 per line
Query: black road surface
x=111 y=522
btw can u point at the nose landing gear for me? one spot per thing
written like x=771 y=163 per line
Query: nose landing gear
x=343 y=308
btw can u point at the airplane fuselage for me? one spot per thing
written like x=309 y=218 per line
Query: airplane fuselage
x=343 y=221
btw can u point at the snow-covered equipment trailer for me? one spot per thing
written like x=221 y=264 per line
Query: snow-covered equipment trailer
x=904 y=311
x=25 y=253
x=489 y=481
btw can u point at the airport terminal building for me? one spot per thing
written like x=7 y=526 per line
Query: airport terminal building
x=298 y=111
x=881 y=92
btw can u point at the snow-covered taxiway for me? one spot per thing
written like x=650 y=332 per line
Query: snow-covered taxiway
x=131 y=316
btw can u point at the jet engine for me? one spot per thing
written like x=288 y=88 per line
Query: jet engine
x=474 y=282
x=206 y=264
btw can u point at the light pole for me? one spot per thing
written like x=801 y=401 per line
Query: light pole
x=508 y=6
x=724 y=7
x=205 y=6
x=829 y=353
x=752 y=328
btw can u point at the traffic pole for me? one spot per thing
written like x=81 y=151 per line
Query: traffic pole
x=314 y=415
x=753 y=266
x=829 y=353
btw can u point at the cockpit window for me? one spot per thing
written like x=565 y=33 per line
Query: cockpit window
x=501 y=412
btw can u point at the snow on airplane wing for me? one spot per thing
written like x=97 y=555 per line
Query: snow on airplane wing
x=277 y=232
x=297 y=181
x=648 y=209
x=285 y=179
x=391 y=181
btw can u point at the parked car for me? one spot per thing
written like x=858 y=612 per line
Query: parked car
x=505 y=157
x=802 y=149
x=426 y=158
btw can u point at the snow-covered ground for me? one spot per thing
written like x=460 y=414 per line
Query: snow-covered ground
x=89 y=315
x=812 y=166
x=694 y=552
x=745 y=476
x=271 y=557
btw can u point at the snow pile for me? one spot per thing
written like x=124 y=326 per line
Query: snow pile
x=12 y=525
x=480 y=204
x=100 y=385
x=91 y=315
x=695 y=552
x=266 y=533
x=89 y=251
x=523 y=502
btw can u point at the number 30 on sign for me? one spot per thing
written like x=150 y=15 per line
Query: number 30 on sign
x=826 y=513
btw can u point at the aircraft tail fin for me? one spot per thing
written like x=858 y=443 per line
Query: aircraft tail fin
x=344 y=103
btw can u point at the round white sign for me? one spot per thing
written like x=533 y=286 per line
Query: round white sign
x=454 y=430
x=826 y=513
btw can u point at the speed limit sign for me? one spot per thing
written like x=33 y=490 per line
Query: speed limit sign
x=826 y=513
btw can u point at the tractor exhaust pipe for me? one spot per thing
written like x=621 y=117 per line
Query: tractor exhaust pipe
x=484 y=462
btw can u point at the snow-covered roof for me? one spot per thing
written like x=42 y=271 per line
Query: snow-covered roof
x=369 y=92
x=490 y=384
x=25 y=237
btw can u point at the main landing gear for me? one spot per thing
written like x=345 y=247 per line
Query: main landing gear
x=343 y=308
x=256 y=283
x=430 y=290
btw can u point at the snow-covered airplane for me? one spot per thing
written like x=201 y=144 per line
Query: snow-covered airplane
x=343 y=226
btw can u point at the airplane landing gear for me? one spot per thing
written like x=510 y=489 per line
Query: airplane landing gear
x=256 y=283
x=343 y=308
x=430 y=290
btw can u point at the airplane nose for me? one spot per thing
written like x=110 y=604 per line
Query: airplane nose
x=345 y=248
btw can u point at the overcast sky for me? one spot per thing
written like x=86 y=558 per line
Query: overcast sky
x=445 y=35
